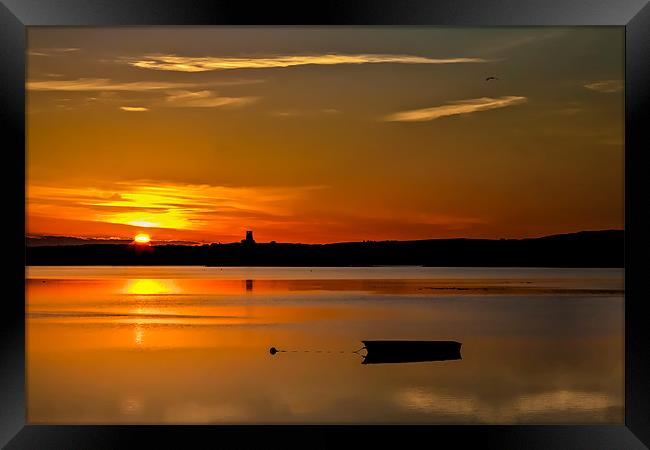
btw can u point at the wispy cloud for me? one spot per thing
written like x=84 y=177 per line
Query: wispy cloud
x=166 y=205
x=204 y=99
x=306 y=113
x=101 y=84
x=455 y=108
x=199 y=211
x=174 y=94
x=606 y=86
x=105 y=84
x=52 y=51
x=203 y=64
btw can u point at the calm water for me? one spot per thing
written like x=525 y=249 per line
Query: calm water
x=191 y=345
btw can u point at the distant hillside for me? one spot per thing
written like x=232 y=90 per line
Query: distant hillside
x=43 y=241
x=583 y=249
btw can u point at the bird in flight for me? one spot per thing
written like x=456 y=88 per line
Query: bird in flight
x=491 y=78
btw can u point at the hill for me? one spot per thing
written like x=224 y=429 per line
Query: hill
x=582 y=249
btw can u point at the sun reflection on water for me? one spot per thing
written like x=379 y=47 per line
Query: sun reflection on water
x=139 y=334
x=146 y=286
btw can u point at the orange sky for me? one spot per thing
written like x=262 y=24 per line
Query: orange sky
x=310 y=134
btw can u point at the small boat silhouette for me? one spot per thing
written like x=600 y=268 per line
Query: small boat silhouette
x=381 y=352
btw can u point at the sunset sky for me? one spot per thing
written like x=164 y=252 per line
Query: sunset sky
x=308 y=134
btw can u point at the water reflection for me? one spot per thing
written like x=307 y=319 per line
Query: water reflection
x=544 y=407
x=139 y=328
x=150 y=287
x=563 y=400
x=422 y=400
x=100 y=349
x=131 y=406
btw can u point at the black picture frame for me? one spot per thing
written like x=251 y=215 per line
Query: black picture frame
x=634 y=15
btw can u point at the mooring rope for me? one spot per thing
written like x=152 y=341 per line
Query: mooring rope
x=274 y=350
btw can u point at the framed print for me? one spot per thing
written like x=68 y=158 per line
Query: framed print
x=298 y=224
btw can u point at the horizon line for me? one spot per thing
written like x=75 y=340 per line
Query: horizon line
x=118 y=241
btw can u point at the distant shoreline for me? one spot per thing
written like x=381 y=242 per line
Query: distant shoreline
x=602 y=249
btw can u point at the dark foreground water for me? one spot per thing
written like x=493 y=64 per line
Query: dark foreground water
x=191 y=345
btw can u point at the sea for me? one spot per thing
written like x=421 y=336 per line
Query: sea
x=192 y=345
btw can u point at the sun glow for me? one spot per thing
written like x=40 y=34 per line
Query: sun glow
x=143 y=224
x=142 y=239
x=175 y=211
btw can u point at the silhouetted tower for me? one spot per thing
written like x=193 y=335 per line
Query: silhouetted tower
x=249 y=238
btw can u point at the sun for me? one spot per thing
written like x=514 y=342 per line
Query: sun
x=142 y=238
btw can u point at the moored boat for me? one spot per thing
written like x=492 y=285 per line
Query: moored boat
x=379 y=352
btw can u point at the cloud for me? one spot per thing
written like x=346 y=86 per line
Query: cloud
x=51 y=51
x=166 y=205
x=134 y=108
x=204 y=99
x=104 y=84
x=176 y=94
x=305 y=113
x=455 y=108
x=606 y=86
x=204 y=64
x=101 y=84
